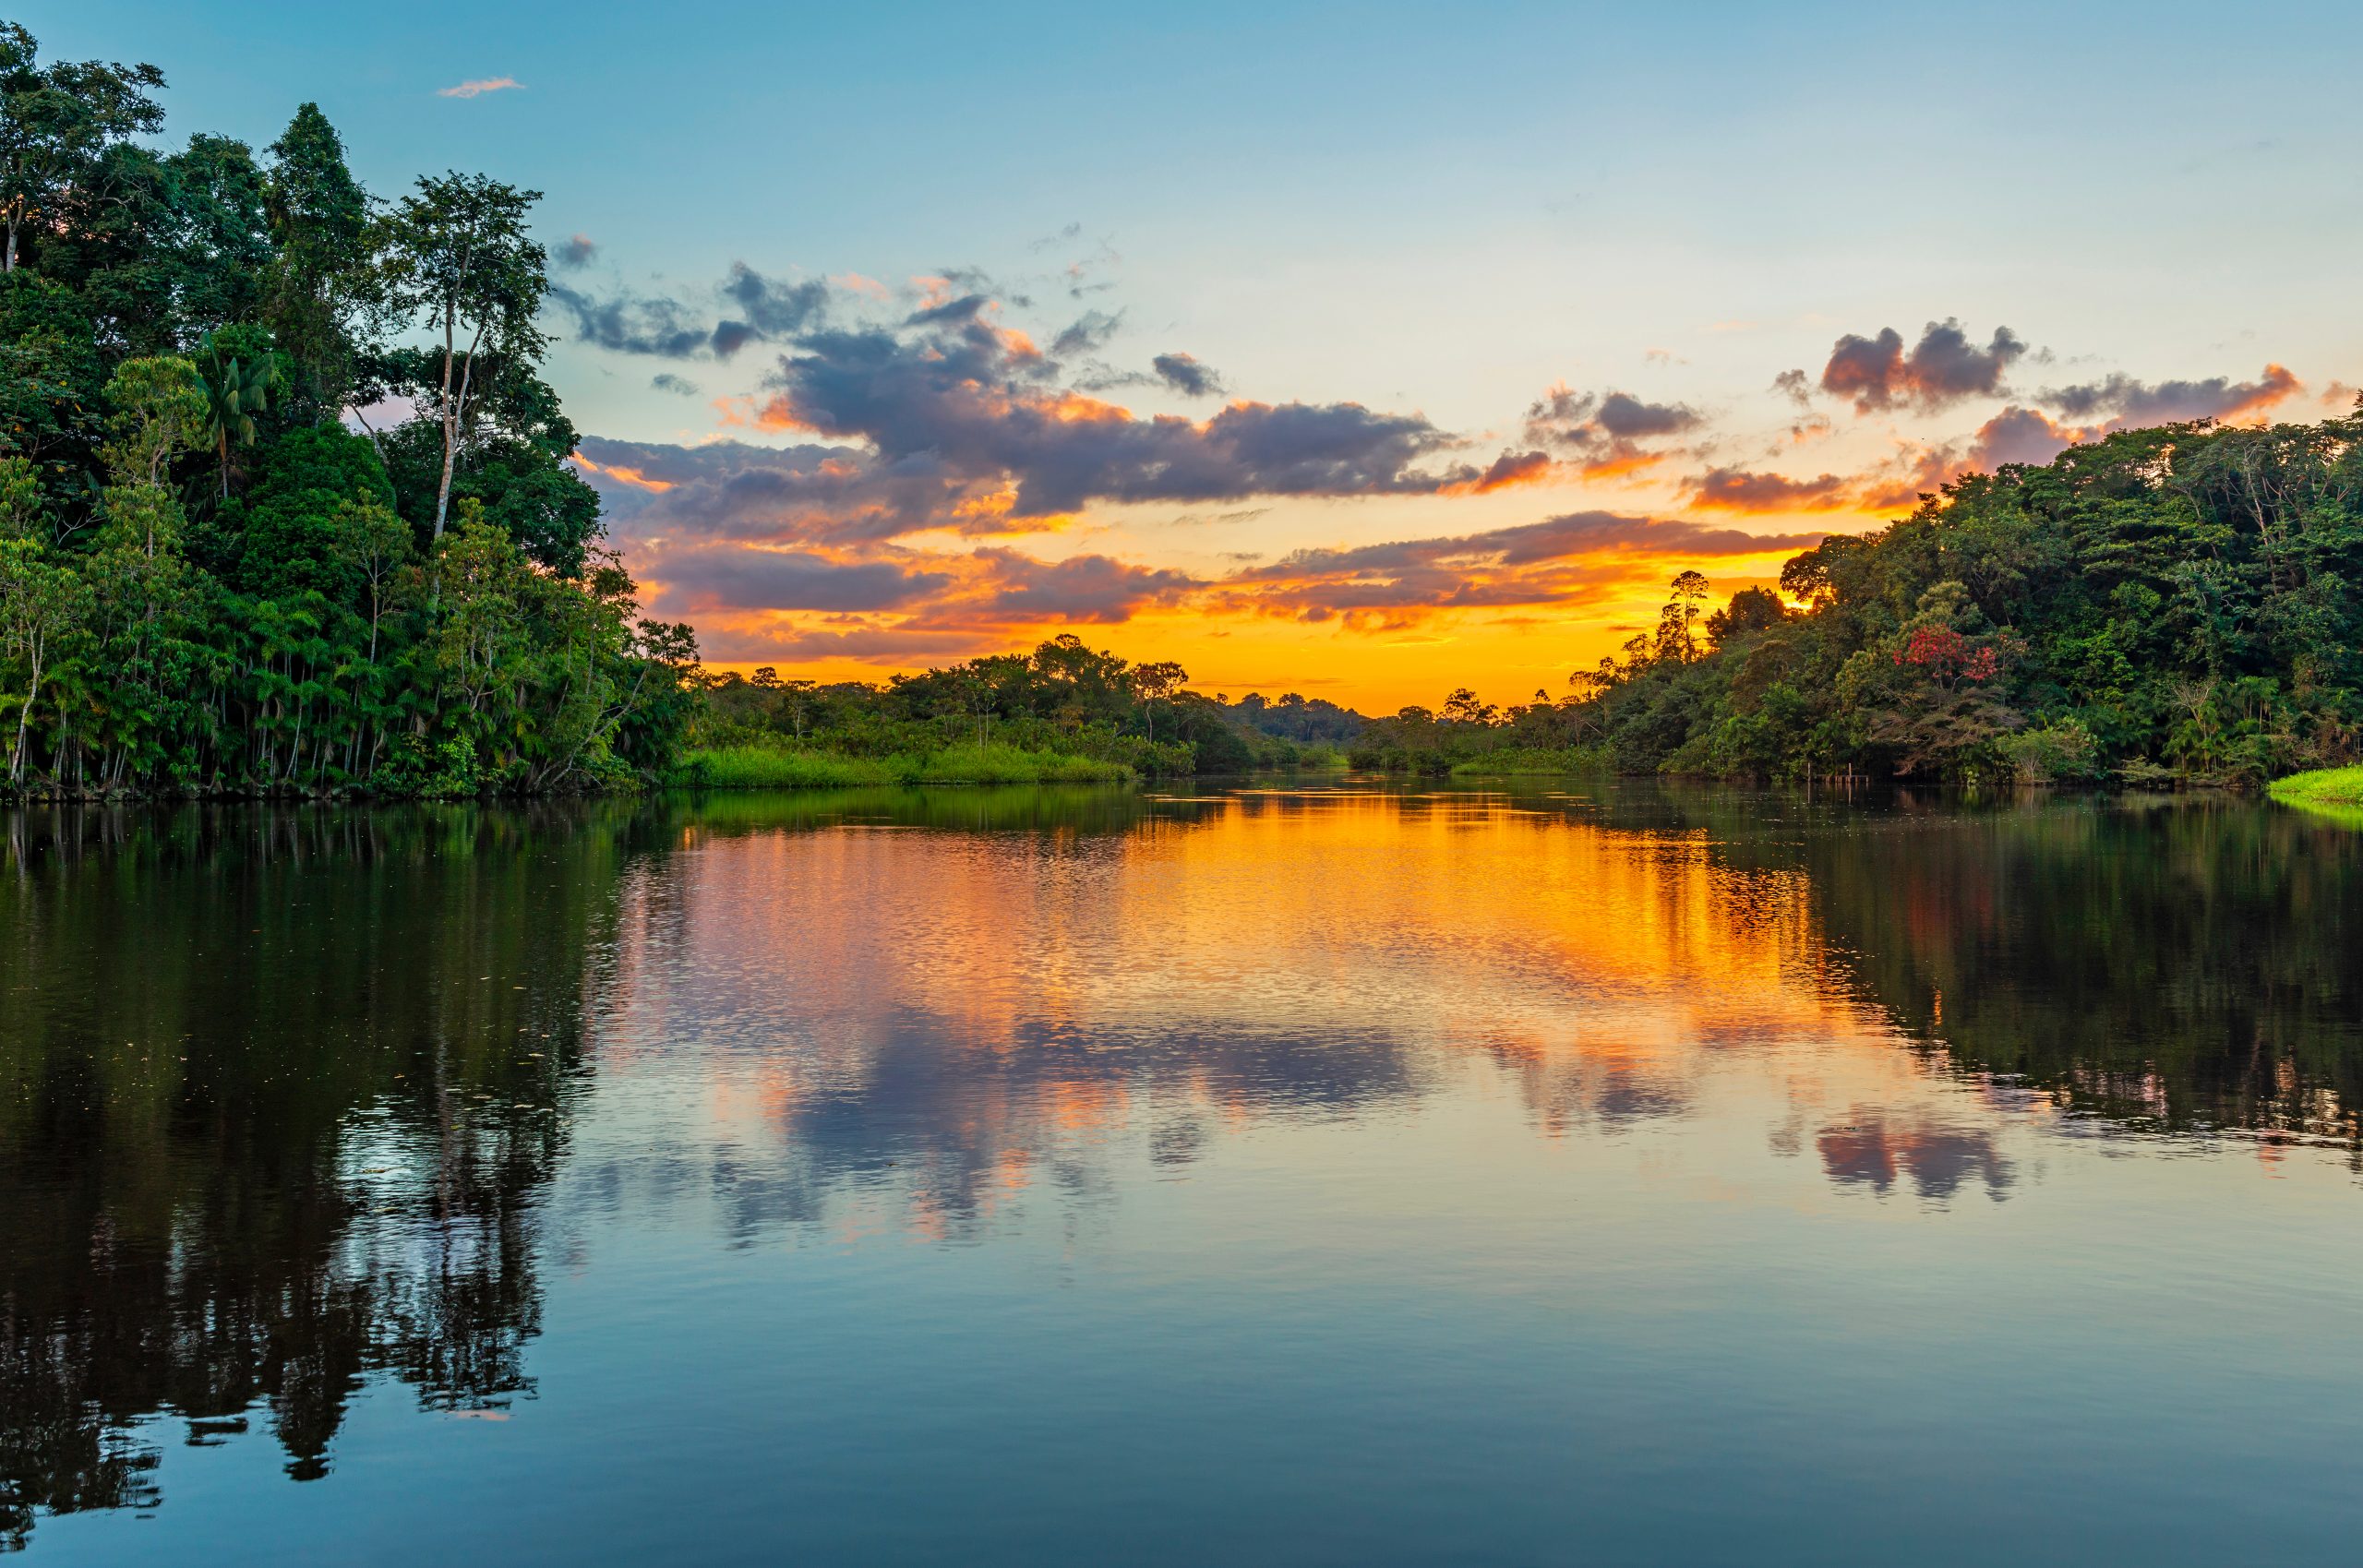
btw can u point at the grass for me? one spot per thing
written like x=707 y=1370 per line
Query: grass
x=1514 y=760
x=769 y=767
x=2334 y=792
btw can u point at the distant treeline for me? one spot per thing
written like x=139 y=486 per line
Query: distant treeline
x=208 y=582
x=1065 y=699
x=2169 y=604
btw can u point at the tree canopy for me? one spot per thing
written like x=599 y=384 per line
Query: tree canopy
x=209 y=581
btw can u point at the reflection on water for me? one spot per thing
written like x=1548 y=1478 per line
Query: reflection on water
x=283 y=1087
x=296 y=1105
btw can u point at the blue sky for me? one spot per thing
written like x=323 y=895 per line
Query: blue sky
x=1428 y=211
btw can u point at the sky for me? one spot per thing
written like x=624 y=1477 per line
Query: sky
x=1365 y=351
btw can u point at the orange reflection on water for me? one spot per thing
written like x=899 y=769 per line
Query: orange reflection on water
x=997 y=999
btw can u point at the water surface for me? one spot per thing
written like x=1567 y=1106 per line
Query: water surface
x=1276 y=1175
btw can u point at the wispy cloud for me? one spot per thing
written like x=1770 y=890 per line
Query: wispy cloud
x=477 y=89
x=2137 y=402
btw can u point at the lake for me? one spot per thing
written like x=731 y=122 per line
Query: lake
x=1332 y=1174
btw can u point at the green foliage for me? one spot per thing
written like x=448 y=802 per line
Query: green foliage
x=207 y=583
x=1065 y=712
x=756 y=766
x=2165 y=604
x=2335 y=794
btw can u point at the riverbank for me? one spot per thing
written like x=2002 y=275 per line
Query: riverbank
x=2336 y=793
x=1531 y=761
x=767 y=767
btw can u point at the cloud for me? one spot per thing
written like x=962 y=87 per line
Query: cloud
x=478 y=87
x=1795 y=386
x=745 y=307
x=1095 y=589
x=626 y=324
x=1187 y=375
x=748 y=579
x=768 y=309
x=1562 y=562
x=1508 y=470
x=977 y=405
x=2137 y=403
x=1088 y=333
x=1605 y=432
x=575 y=251
x=1627 y=417
x=755 y=602
x=680 y=386
x=700 y=526
x=2021 y=435
x=1941 y=369
x=1738 y=490
x=1916 y=471
x=803 y=494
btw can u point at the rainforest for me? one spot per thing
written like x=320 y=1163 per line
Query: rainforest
x=216 y=574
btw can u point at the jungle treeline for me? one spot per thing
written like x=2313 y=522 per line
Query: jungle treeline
x=1065 y=699
x=221 y=571
x=2165 y=604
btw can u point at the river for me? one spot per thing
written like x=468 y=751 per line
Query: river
x=1287 y=1173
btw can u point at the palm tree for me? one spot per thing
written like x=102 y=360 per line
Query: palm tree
x=236 y=392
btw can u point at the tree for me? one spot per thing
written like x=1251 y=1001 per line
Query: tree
x=1463 y=708
x=40 y=604
x=321 y=290
x=57 y=123
x=463 y=261
x=1751 y=609
x=485 y=584
x=23 y=508
x=161 y=411
x=235 y=390
x=1676 y=639
x=376 y=543
x=1157 y=683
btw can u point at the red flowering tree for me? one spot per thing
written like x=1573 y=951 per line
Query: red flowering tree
x=1949 y=659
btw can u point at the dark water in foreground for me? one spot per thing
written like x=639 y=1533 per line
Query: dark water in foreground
x=1321 y=1176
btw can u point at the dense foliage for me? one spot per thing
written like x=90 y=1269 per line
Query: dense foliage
x=2177 y=602
x=1064 y=700
x=208 y=582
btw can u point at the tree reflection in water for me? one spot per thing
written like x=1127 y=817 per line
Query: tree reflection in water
x=285 y=1087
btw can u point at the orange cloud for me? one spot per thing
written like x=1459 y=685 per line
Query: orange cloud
x=621 y=474
x=1749 y=492
x=1508 y=472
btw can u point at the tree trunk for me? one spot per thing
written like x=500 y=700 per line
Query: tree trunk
x=453 y=411
x=451 y=424
x=25 y=714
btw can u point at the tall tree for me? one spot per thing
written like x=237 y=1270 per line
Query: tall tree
x=56 y=122
x=322 y=292
x=463 y=261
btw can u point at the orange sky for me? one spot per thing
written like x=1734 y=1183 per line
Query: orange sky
x=923 y=480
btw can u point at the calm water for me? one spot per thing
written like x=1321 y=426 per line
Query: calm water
x=1274 y=1176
